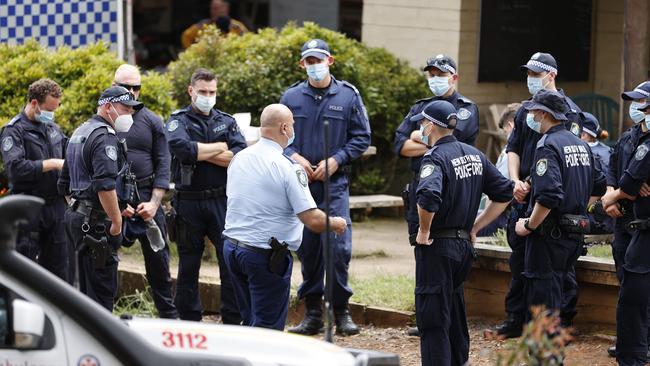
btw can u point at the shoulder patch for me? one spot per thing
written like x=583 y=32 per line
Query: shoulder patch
x=541 y=141
x=541 y=167
x=302 y=177
x=641 y=152
x=427 y=170
x=575 y=129
x=172 y=125
x=7 y=143
x=464 y=113
x=111 y=152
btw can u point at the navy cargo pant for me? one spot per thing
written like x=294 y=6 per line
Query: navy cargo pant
x=632 y=319
x=440 y=270
x=262 y=296
x=515 y=301
x=43 y=240
x=546 y=269
x=622 y=238
x=100 y=284
x=156 y=265
x=311 y=250
x=196 y=219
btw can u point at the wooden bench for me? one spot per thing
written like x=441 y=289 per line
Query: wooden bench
x=363 y=205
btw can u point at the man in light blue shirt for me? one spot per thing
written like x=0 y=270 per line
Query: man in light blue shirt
x=268 y=197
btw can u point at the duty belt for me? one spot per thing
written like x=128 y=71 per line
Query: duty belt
x=449 y=234
x=201 y=195
x=641 y=224
x=89 y=209
x=145 y=182
x=238 y=243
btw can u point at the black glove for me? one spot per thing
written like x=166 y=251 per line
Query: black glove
x=115 y=241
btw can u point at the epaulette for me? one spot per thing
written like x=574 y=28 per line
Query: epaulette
x=179 y=111
x=431 y=150
x=465 y=100
x=289 y=158
x=14 y=120
x=541 y=141
x=356 y=91
x=429 y=99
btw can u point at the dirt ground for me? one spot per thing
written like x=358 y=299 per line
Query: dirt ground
x=588 y=349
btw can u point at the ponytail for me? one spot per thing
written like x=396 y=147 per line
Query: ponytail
x=603 y=135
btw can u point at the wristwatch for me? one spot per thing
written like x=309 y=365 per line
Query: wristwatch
x=526 y=222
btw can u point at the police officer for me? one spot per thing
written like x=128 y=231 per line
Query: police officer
x=260 y=268
x=601 y=223
x=541 y=72
x=149 y=157
x=442 y=77
x=94 y=177
x=202 y=141
x=621 y=156
x=33 y=147
x=563 y=180
x=632 y=309
x=323 y=98
x=452 y=177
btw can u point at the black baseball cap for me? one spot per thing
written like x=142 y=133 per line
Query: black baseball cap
x=441 y=62
x=439 y=112
x=642 y=91
x=548 y=101
x=119 y=94
x=315 y=48
x=540 y=62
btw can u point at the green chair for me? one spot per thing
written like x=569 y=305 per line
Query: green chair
x=604 y=108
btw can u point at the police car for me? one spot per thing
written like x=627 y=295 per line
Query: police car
x=44 y=321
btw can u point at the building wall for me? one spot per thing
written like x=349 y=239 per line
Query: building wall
x=405 y=26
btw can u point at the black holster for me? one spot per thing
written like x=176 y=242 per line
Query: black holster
x=100 y=251
x=568 y=225
x=642 y=224
x=277 y=261
x=187 y=171
x=170 y=219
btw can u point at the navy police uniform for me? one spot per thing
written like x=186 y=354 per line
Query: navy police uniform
x=600 y=222
x=523 y=142
x=93 y=161
x=25 y=144
x=349 y=136
x=200 y=204
x=452 y=178
x=466 y=131
x=632 y=319
x=563 y=179
x=149 y=155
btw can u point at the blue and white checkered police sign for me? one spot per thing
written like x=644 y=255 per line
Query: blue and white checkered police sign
x=55 y=23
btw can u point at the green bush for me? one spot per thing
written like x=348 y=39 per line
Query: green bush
x=255 y=69
x=83 y=73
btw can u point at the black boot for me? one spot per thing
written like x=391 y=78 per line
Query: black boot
x=611 y=351
x=313 y=323
x=511 y=327
x=344 y=323
x=413 y=332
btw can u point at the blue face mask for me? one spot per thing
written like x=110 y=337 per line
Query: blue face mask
x=318 y=72
x=535 y=84
x=647 y=121
x=45 y=117
x=425 y=139
x=534 y=125
x=439 y=85
x=635 y=114
x=292 y=138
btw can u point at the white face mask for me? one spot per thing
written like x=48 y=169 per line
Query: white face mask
x=123 y=122
x=203 y=103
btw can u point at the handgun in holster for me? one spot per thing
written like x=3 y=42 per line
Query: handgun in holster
x=642 y=224
x=277 y=261
x=575 y=224
x=597 y=208
x=187 y=171
x=99 y=250
x=405 y=196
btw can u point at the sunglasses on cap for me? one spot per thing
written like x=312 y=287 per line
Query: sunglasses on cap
x=134 y=88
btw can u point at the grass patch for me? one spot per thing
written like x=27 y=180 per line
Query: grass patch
x=369 y=255
x=138 y=304
x=389 y=291
x=501 y=237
